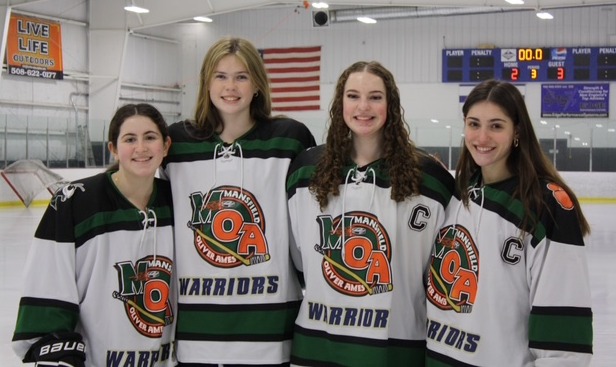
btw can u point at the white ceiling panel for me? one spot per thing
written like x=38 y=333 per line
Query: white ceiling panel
x=172 y=11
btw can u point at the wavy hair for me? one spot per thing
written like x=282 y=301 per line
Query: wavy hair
x=400 y=156
x=527 y=160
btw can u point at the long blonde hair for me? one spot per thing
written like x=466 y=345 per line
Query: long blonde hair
x=207 y=117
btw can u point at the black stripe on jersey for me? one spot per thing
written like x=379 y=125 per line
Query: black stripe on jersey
x=40 y=316
x=561 y=328
x=437 y=183
x=434 y=359
x=562 y=311
x=235 y=337
x=498 y=199
x=47 y=302
x=280 y=138
x=299 y=178
x=96 y=207
x=307 y=362
x=555 y=223
x=359 y=340
x=245 y=322
x=302 y=169
x=126 y=219
x=235 y=308
x=281 y=147
x=561 y=346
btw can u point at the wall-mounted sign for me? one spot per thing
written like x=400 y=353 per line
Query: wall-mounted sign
x=34 y=48
x=575 y=100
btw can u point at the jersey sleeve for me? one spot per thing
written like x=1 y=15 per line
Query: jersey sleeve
x=560 y=324
x=298 y=180
x=49 y=301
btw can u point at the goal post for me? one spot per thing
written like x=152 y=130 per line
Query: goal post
x=29 y=177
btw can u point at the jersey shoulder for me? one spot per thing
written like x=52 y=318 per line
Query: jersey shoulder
x=302 y=168
x=437 y=183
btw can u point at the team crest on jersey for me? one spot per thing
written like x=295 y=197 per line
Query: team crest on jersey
x=229 y=227
x=144 y=290
x=454 y=272
x=65 y=193
x=358 y=263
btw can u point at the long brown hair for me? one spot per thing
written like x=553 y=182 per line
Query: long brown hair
x=207 y=117
x=399 y=153
x=526 y=160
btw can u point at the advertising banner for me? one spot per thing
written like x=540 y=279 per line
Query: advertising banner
x=34 y=48
x=575 y=100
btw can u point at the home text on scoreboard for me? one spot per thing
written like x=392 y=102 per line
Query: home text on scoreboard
x=530 y=64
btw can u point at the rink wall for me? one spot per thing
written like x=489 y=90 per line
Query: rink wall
x=594 y=187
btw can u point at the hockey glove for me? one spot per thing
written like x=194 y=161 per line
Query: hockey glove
x=64 y=349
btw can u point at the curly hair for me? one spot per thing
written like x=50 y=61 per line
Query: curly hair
x=400 y=156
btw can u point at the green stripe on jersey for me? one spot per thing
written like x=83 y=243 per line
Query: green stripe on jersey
x=322 y=350
x=102 y=219
x=229 y=322
x=569 y=331
x=434 y=359
x=514 y=207
x=41 y=319
x=207 y=147
x=303 y=174
x=437 y=186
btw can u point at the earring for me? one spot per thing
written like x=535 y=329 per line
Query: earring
x=516 y=142
x=256 y=94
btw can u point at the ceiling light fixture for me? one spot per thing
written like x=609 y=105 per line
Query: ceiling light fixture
x=541 y=14
x=515 y=2
x=366 y=20
x=320 y=5
x=135 y=9
x=203 y=19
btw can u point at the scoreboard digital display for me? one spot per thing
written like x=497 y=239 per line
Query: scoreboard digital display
x=546 y=64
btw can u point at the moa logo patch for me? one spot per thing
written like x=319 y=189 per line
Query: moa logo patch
x=454 y=272
x=144 y=290
x=358 y=263
x=229 y=227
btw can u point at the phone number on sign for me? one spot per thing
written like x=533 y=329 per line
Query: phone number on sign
x=34 y=73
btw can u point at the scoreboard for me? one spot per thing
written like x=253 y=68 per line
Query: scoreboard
x=546 y=64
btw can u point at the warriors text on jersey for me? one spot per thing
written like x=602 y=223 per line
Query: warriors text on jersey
x=499 y=296
x=102 y=267
x=363 y=258
x=239 y=294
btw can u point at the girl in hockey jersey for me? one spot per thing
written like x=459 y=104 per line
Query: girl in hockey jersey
x=364 y=210
x=238 y=294
x=99 y=287
x=508 y=283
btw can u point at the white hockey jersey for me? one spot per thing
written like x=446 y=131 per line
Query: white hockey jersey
x=363 y=259
x=500 y=296
x=238 y=292
x=103 y=268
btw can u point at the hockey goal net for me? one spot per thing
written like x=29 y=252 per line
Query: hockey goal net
x=28 y=178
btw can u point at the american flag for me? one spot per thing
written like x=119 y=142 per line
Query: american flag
x=295 y=76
